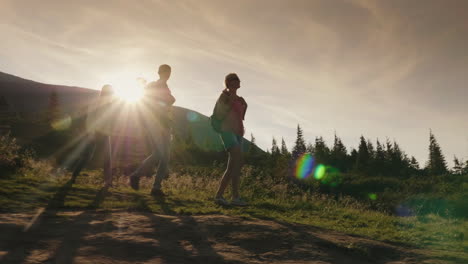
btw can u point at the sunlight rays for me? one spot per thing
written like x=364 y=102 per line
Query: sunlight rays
x=126 y=85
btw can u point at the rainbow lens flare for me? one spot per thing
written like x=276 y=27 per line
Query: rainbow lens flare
x=304 y=166
x=320 y=171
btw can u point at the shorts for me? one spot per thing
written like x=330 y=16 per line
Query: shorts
x=230 y=140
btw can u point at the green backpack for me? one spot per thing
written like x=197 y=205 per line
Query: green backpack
x=215 y=123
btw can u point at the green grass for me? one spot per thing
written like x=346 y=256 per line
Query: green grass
x=192 y=195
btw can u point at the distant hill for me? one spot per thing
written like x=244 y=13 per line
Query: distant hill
x=32 y=97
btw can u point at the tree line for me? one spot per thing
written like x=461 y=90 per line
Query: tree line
x=379 y=159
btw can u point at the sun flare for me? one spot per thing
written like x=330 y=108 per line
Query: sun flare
x=129 y=94
x=127 y=86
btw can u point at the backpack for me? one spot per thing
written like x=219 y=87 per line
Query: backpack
x=215 y=123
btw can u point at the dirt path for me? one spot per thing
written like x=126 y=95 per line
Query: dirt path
x=139 y=237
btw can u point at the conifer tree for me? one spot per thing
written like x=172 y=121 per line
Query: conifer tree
x=310 y=148
x=370 y=148
x=458 y=166
x=284 y=148
x=436 y=164
x=338 y=154
x=363 y=157
x=274 y=147
x=388 y=157
x=465 y=169
x=397 y=160
x=379 y=160
x=321 y=151
x=352 y=159
x=299 y=147
x=414 y=164
x=252 y=147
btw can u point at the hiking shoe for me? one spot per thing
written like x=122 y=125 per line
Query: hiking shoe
x=134 y=182
x=221 y=201
x=157 y=193
x=238 y=202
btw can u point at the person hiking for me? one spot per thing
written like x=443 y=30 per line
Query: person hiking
x=159 y=99
x=229 y=112
x=98 y=138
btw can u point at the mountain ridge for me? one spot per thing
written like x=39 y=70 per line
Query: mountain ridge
x=31 y=97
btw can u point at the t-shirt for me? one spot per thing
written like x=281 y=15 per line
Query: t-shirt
x=159 y=92
x=158 y=99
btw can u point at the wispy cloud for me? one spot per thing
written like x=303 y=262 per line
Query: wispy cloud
x=357 y=66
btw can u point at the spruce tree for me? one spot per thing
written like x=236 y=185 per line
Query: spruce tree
x=338 y=154
x=397 y=166
x=436 y=164
x=379 y=160
x=252 y=147
x=310 y=148
x=388 y=157
x=414 y=165
x=299 y=147
x=274 y=147
x=352 y=159
x=284 y=148
x=465 y=169
x=321 y=151
x=363 y=157
x=458 y=166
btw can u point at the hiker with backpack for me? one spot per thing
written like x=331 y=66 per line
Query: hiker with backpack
x=159 y=101
x=227 y=120
x=97 y=141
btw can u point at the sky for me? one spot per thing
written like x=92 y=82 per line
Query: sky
x=382 y=69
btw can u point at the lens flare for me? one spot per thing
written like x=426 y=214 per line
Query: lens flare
x=403 y=210
x=372 y=196
x=304 y=166
x=320 y=172
x=192 y=116
x=62 y=124
x=129 y=94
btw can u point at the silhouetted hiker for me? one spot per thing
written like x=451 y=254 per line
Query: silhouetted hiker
x=99 y=128
x=160 y=100
x=227 y=119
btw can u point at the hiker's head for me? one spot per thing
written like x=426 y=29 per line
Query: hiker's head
x=232 y=81
x=164 y=71
x=106 y=91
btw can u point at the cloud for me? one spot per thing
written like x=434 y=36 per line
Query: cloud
x=358 y=66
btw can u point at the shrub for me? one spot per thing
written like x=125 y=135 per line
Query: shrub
x=12 y=156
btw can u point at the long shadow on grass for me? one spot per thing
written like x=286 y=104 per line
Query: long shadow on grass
x=23 y=243
x=172 y=232
x=360 y=247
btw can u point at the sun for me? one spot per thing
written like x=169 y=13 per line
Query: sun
x=129 y=94
x=127 y=86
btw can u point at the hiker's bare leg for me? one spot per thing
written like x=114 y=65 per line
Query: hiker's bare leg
x=236 y=174
x=233 y=153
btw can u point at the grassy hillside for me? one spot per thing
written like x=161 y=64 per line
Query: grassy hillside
x=191 y=192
